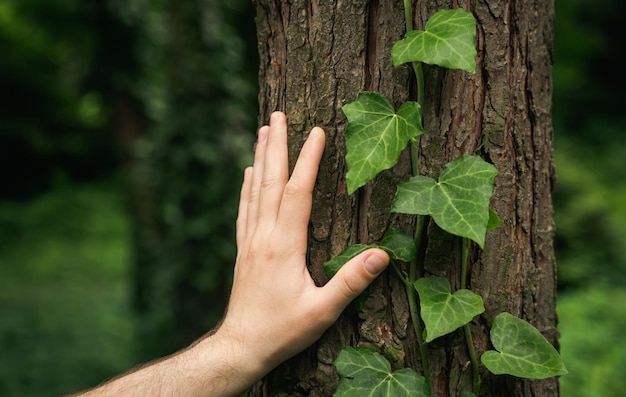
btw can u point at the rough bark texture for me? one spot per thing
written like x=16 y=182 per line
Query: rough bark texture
x=315 y=56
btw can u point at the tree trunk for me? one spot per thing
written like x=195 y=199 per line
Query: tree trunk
x=315 y=56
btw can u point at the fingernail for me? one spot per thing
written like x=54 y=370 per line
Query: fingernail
x=247 y=173
x=275 y=118
x=375 y=264
x=315 y=133
x=262 y=134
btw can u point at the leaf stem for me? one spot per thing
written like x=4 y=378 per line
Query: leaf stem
x=419 y=75
x=403 y=276
x=464 y=258
x=417 y=325
x=415 y=153
x=466 y=328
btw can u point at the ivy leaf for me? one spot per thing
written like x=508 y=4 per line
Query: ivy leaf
x=458 y=203
x=332 y=266
x=442 y=311
x=449 y=41
x=494 y=221
x=364 y=372
x=399 y=245
x=376 y=135
x=522 y=350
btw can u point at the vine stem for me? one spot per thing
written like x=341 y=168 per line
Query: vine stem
x=419 y=232
x=408 y=15
x=412 y=297
x=422 y=220
x=469 y=341
x=417 y=66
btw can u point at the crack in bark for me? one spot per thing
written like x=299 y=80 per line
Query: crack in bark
x=371 y=58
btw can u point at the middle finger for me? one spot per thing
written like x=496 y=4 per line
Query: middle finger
x=275 y=171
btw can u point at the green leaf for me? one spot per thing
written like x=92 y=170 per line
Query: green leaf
x=458 y=203
x=375 y=135
x=494 y=221
x=442 y=311
x=522 y=350
x=449 y=41
x=364 y=372
x=332 y=266
x=399 y=245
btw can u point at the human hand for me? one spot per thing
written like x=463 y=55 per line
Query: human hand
x=275 y=308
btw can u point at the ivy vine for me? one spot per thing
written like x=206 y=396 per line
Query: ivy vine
x=458 y=202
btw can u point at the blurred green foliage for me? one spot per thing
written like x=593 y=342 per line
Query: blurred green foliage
x=191 y=162
x=592 y=323
x=590 y=125
x=65 y=318
x=590 y=198
x=156 y=100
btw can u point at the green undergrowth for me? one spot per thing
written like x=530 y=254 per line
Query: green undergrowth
x=65 y=321
x=592 y=323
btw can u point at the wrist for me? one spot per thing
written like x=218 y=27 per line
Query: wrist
x=226 y=359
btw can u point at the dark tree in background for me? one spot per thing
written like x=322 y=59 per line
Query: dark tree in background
x=62 y=69
x=315 y=56
x=186 y=185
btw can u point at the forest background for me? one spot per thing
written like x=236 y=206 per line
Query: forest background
x=124 y=130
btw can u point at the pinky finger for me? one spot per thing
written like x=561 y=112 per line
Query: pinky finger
x=244 y=199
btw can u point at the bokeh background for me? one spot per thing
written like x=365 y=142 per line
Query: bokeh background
x=124 y=129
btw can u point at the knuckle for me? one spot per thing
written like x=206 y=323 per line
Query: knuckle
x=265 y=250
x=254 y=196
x=351 y=285
x=267 y=182
x=292 y=189
x=271 y=180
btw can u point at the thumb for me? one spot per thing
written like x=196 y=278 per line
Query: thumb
x=355 y=276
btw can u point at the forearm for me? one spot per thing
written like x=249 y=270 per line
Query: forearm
x=214 y=366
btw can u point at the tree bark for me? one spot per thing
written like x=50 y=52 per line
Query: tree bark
x=315 y=56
